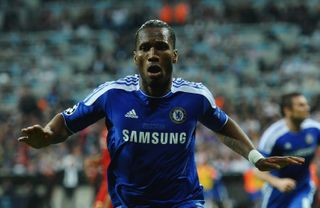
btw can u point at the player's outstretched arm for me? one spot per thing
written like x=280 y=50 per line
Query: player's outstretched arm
x=37 y=136
x=238 y=141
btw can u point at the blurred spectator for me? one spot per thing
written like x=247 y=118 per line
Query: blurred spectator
x=252 y=51
x=71 y=166
x=167 y=13
x=207 y=175
x=253 y=186
x=28 y=106
x=181 y=11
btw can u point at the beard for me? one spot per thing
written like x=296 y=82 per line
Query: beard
x=297 y=120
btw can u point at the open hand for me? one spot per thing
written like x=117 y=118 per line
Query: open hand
x=278 y=162
x=35 y=136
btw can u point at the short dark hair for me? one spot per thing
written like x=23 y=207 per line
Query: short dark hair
x=155 y=23
x=286 y=100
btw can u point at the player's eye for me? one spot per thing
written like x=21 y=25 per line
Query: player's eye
x=161 y=46
x=144 y=47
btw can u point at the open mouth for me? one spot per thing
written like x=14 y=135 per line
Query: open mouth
x=154 y=70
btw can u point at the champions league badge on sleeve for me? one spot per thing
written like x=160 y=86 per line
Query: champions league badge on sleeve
x=178 y=115
x=70 y=111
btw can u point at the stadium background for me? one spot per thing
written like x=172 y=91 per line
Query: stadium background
x=53 y=53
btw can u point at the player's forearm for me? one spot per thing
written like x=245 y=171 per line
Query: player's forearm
x=236 y=139
x=58 y=130
x=267 y=177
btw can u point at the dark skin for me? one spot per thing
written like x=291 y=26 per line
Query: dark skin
x=154 y=56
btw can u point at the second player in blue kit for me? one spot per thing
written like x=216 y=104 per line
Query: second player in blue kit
x=295 y=134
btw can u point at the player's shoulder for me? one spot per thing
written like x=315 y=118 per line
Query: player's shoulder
x=128 y=83
x=277 y=128
x=273 y=133
x=182 y=85
x=310 y=123
x=185 y=86
x=180 y=82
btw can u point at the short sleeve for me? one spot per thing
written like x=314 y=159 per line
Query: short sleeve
x=212 y=116
x=83 y=114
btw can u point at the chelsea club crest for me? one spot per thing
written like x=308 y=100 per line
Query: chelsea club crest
x=309 y=138
x=178 y=115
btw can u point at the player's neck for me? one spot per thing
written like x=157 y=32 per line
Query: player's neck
x=293 y=125
x=155 y=92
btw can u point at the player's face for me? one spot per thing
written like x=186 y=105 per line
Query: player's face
x=300 y=109
x=154 y=56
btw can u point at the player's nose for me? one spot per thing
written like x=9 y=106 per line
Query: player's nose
x=153 y=56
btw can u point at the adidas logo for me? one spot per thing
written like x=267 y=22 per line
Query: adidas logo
x=131 y=114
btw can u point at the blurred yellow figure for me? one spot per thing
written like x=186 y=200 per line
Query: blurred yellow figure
x=253 y=186
x=207 y=175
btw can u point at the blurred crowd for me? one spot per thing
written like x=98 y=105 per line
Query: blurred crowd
x=53 y=53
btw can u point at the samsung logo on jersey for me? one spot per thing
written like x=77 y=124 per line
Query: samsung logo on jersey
x=146 y=137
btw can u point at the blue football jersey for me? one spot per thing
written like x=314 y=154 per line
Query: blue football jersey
x=278 y=140
x=151 y=140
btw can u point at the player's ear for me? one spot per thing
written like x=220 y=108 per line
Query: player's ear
x=135 y=57
x=286 y=110
x=175 y=56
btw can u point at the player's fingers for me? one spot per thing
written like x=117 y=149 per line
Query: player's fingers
x=275 y=162
x=284 y=161
x=293 y=161
x=289 y=161
x=293 y=186
x=22 y=138
x=27 y=130
x=31 y=130
x=290 y=187
x=299 y=160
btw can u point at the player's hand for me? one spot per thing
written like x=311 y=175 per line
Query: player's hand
x=285 y=184
x=278 y=162
x=35 y=136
